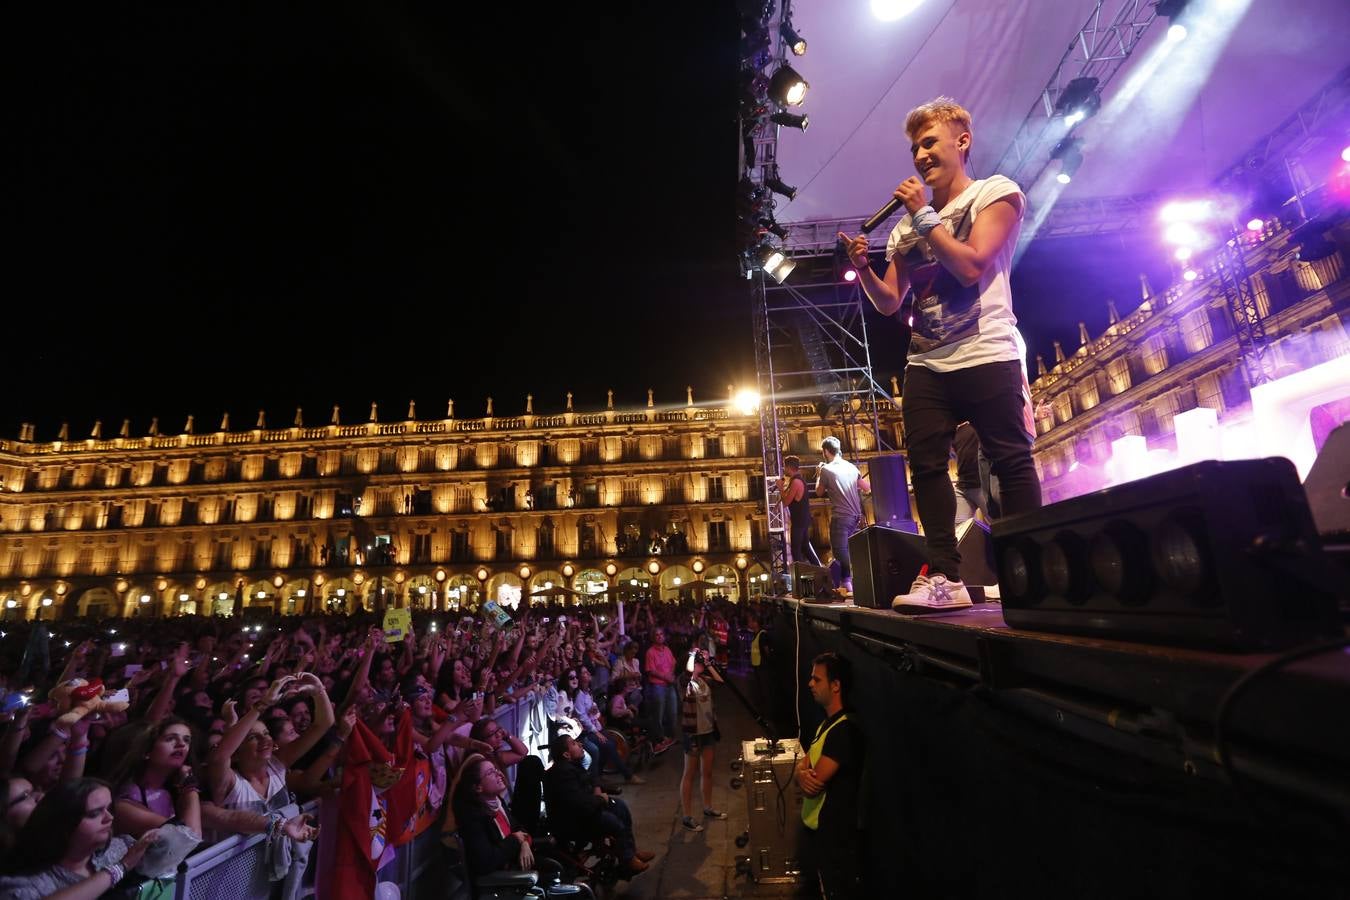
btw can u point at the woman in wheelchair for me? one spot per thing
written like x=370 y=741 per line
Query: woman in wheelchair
x=492 y=841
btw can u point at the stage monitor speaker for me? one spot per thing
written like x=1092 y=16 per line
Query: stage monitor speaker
x=811 y=583
x=1328 y=486
x=885 y=563
x=976 y=547
x=1216 y=554
x=890 y=493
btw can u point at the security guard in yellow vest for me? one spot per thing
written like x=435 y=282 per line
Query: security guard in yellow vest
x=830 y=776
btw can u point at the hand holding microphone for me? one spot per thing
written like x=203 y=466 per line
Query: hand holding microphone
x=910 y=194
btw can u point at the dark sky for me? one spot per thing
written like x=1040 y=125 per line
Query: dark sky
x=313 y=203
x=343 y=202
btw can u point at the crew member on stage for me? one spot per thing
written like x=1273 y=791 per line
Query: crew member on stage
x=792 y=488
x=840 y=480
x=830 y=775
x=966 y=357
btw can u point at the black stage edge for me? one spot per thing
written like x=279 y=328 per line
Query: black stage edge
x=1007 y=763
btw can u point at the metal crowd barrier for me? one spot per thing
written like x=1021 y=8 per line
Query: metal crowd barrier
x=235 y=868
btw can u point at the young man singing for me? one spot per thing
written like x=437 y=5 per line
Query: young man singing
x=966 y=357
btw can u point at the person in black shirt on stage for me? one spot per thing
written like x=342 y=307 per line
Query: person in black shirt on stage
x=830 y=775
x=792 y=488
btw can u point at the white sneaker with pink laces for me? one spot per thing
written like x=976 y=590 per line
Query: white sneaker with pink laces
x=932 y=593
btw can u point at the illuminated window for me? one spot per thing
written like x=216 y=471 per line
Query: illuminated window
x=1155 y=355
x=1196 y=330
x=1118 y=375
x=1208 y=393
x=1087 y=393
x=717 y=488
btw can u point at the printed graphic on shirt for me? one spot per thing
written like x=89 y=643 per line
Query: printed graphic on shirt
x=945 y=311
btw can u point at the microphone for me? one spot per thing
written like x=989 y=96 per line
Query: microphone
x=881 y=215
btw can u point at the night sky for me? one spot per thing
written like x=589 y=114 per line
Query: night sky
x=316 y=203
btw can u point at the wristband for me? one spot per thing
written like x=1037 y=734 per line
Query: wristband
x=78 y=751
x=116 y=872
x=63 y=735
x=925 y=220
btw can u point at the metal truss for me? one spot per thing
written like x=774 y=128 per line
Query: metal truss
x=1248 y=327
x=770 y=437
x=1099 y=50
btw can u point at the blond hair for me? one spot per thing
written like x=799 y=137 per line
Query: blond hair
x=939 y=109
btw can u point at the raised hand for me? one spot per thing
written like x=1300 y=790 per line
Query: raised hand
x=856 y=247
x=136 y=853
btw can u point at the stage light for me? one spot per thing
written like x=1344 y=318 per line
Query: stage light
x=794 y=40
x=1182 y=233
x=851 y=275
x=790 y=120
x=747 y=401
x=787 y=88
x=1183 y=253
x=778 y=187
x=1079 y=99
x=1176 y=33
x=1186 y=211
x=890 y=10
x=779 y=231
x=1345 y=154
x=776 y=263
x=1255 y=224
x=1069 y=152
x=1190 y=275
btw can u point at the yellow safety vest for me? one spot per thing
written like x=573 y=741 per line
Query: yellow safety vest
x=755 y=657
x=811 y=805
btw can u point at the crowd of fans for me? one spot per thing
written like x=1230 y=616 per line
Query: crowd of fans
x=125 y=745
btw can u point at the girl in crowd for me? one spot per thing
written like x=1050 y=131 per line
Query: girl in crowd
x=154 y=782
x=246 y=771
x=601 y=748
x=699 y=724
x=67 y=850
x=18 y=797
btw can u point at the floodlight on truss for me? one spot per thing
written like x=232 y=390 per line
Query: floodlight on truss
x=786 y=87
x=795 y=42
x=776 y=185
x=775 y=262
x=790 y=120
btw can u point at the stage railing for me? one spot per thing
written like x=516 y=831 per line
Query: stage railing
x=236 y=868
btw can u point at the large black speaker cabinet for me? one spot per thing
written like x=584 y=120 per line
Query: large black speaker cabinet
x=1217 y=554
x=890 y=493
x=885 y=562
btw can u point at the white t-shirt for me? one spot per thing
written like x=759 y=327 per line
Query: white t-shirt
x=956 y=327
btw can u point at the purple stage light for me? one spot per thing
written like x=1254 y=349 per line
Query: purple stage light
x=1190 y=275
x=1182 y=233
x=1255 y=225
x=1184 y=253
x=851 y=275
x=1345 y=154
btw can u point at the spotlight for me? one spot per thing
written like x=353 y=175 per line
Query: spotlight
x=792 y=38
x=1182 y=233
x=1069 y=152
x=1190 y=275
x=776 y=185
x=790 y=120
x=1255 y=224
x=776 y=263
x=1186 y=211
x=1079 y=95
x=747 y=402
x=1176 y=34
x=787 y=88
x=774 y=228
x=1345 y=154
x=1183 y=253
x=851 y=275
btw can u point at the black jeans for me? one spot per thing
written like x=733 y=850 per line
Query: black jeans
x=802 y=551
x=991 y=398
